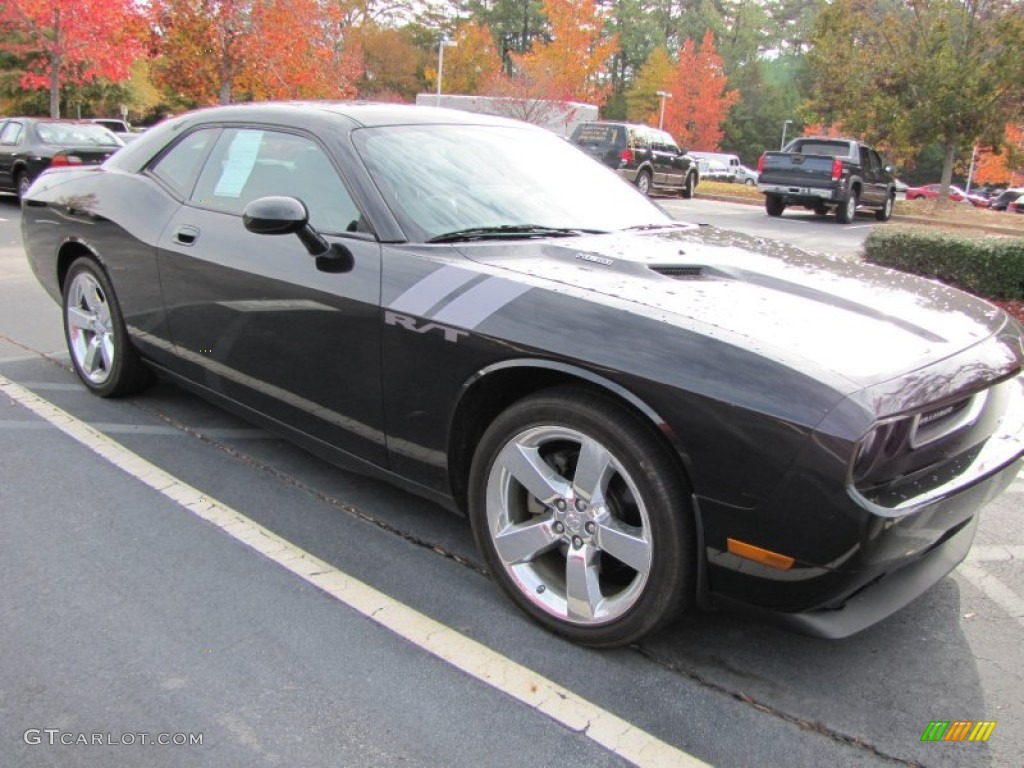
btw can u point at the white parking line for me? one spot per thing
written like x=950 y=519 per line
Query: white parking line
x=994 y=589
x=995 y=553
x=473 y=658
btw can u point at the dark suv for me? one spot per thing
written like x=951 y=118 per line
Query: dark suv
x=647 y=157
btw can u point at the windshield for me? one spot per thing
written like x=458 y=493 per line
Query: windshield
x=439 y=179
x=76 y=135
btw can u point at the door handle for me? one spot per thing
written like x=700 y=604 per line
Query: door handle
x=186 y=235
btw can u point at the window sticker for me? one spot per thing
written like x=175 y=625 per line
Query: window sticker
x=239 y=163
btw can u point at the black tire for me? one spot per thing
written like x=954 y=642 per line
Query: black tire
x=774 y=205
x=643 y=182
x=94 y=329
x=689 y=185
x=643 y=517
x=885 y=212
x=846 y=211
x=748 y=182
x=22 y=183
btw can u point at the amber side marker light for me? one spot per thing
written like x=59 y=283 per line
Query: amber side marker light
x=758 y=555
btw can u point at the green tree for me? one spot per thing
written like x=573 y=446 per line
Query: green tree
x=907 y=74
x=643 y=104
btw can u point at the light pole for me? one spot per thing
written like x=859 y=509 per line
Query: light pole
x=785 y=125
x=661 y=118
x=445 y=43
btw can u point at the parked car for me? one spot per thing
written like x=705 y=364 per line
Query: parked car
x=746 y=176
x=1004 y=198
x=118 y=126
x=29 y=145
x=645 y=156
x=826 y=173
x=956 y=194
x=1017 y=206
x=636 y=414
x=713 y=170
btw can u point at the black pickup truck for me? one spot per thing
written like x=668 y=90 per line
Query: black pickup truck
x=822 y=173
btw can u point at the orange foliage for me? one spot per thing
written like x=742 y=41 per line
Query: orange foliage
x=574 y=65
x=217 y=50
x=85 y=39
x=991 y=168
x=470 y=64
x=700 y=102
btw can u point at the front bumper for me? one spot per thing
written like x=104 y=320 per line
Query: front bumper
x=856 y=561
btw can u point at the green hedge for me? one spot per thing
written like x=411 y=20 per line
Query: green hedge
x=992 y=267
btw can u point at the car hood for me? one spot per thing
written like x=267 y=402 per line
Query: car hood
x=861 y=322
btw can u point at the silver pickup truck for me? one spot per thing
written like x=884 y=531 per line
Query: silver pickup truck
x=824 y=174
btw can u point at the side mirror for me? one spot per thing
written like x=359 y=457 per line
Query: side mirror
x=888 y=169
x=288 y=215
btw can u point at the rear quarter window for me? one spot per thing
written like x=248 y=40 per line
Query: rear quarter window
x=596 y=135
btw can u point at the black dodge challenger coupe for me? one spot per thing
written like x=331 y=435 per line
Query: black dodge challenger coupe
x=637 y=415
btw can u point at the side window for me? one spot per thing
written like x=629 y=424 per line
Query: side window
x=876 y=163
x=11 y=134
x=248 y=163
x=179 y=167
x=639 y=138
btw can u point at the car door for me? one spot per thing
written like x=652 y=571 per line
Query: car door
x=670 y=159
x=252 y=318
x=873 y=189
x=11 y=133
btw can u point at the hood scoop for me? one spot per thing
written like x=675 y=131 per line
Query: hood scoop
x=680 y=271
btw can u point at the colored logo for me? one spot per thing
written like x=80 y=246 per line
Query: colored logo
x=958 y=730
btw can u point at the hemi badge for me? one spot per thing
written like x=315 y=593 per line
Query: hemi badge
x=595 y=259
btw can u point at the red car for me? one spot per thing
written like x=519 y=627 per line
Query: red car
x=931 y=192
x=1017 y=206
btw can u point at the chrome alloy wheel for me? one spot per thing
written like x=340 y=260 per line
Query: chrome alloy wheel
x=569 y=525
x=90 y=328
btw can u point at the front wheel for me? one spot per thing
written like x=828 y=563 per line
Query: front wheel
x=885 y=212
x=97 y=339
x=748 y=182
x=774 y=205
x=581 y=516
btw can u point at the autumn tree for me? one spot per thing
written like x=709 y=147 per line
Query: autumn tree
x=1003 y=164
x=470 y=64
x=73 y=41
x=700 y=97
x=915 y=73
x=516 y=24
x=391 y=62
x=573 y=66
x=212 y=51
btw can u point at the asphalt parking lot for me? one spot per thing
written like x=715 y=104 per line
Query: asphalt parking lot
x=131 y=607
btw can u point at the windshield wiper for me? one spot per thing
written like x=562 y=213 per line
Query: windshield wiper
x=511 y=231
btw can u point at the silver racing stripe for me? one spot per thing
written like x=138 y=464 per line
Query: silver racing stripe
x=467 y=310
x=421 y=296
x=479 y=303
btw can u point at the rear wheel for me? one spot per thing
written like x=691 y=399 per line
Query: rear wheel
x=22 y=184
x=847 y=210
x=97 y=339
x=774 y=205
x=689 y=185
x=581 y=517
x=643 y=182
x=885 y=212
